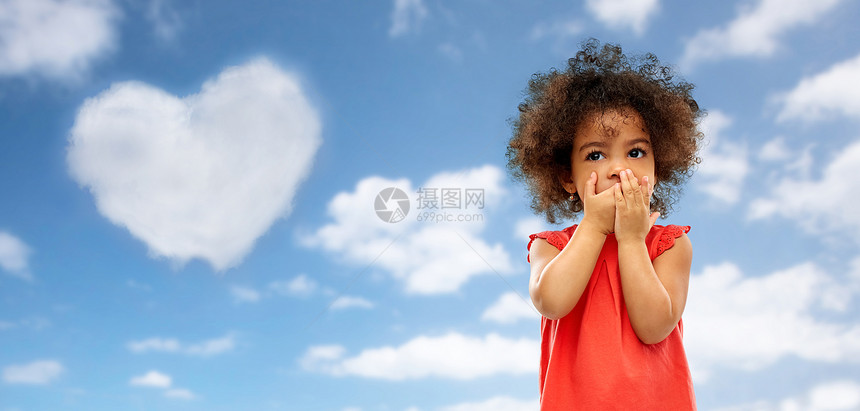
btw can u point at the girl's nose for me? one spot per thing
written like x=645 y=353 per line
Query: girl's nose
x=616 y=169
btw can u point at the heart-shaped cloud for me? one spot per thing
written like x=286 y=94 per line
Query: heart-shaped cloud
x=202 y=176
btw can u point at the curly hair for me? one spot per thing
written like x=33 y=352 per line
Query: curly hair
x=598 y=79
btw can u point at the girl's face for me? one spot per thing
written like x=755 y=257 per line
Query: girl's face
x=612 y=141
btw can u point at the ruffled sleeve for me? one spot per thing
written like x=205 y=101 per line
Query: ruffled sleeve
x=665 y=238
x=553 y=237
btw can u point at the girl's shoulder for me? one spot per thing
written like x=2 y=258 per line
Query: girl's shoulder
x=557 y=238
x=659 y=239
x=662 y=238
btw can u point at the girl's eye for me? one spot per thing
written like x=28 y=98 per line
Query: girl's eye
x=637 y=153
x=594 y=156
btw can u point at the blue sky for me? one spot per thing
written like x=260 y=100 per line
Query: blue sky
x=187 y=197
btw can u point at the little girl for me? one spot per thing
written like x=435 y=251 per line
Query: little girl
x=613 y=138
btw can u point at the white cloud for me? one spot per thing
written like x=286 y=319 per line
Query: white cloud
x=171 y=345
x=837 y=395
x=165 y=20
x=34 y=323
x=203 y=176
x=429 y=257
x=244 y=294
x=774 y=150
x=510 y=308
x=853 y=283
x=561 y=34
x=827 y=204
x=301 y=285
x=793 y=161
x=212 y=347
x=346 y=301
x=725 y=163
x=179 y=393
x=755 y=31
x=13 y=256
x=155 y=344
x=406 y=17
x=156 y=379
x=500 y=403
x=304 y=286
x=529 y=225
x=321 y=353
x=749 y=323
x=140 y=286
x=55 y=39
x=453 y=356
x=835 y=91
x=152 y=379
x=451 y=51
x=560 y=30
x=37 y=372
x=624 y=14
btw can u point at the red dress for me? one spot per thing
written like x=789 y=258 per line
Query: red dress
x=591 y=359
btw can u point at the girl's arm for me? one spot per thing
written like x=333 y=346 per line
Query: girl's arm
x=559 y=277
x=655 y=294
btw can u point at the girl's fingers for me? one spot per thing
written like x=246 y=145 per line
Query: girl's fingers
x=646 y=187
x=630 y=188
x=619 y=196
x=590 y=184
x=625 y=183
x=650 y=187
x=636 y=191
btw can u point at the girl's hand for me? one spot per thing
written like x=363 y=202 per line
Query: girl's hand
x=598 y=209
x=632 y=204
